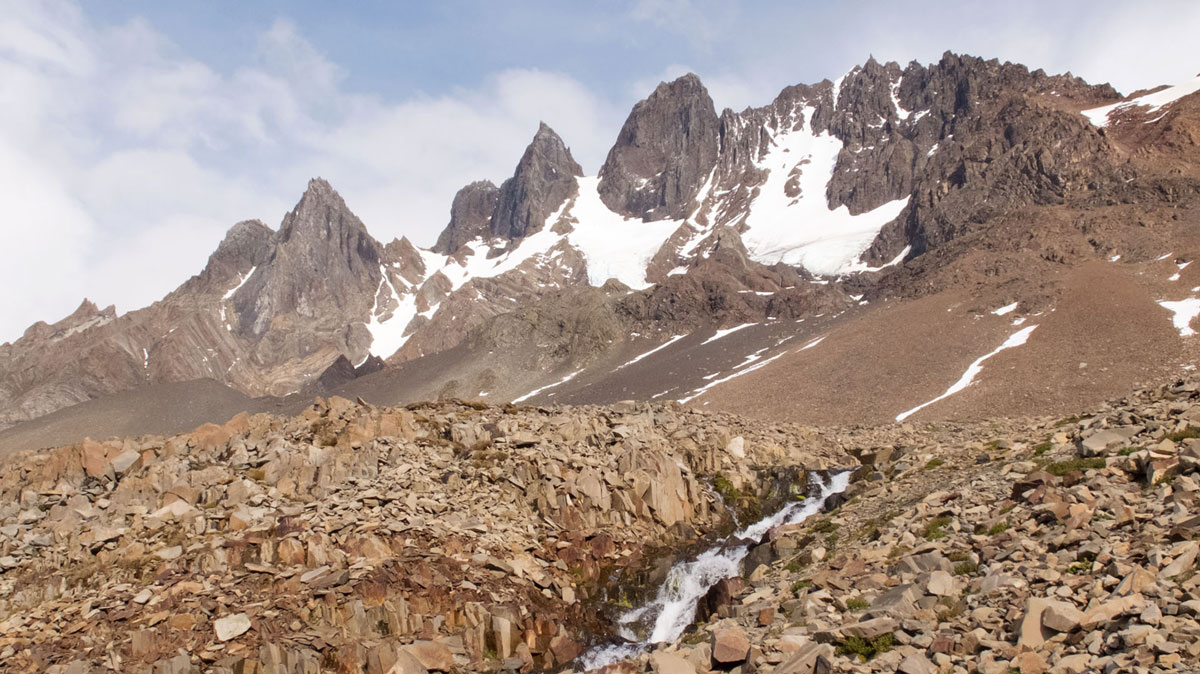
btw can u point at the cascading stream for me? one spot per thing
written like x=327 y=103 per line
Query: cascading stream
x=674 y=606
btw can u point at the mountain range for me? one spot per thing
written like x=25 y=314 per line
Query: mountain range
x=961 y=239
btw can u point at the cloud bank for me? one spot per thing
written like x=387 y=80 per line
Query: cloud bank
x=125 y=157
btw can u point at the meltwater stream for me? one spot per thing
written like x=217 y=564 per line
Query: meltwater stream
x=674 y=607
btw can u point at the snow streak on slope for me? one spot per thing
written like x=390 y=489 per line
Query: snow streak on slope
x=1099 y=116
x=1017 y=339
x=655 y=350
x=241 y=282
x=387 y=334
x=803 y=230
x=536 y=391
x=728 y=331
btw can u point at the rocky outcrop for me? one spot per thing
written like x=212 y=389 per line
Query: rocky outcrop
x=544 y=179
x=470 y=216
x=664 y=153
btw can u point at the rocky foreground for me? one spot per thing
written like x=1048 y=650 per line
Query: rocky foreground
x=1064 y=546
x=353 y=538
x=453 y=537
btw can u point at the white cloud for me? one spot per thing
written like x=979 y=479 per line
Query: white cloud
x=130 y=159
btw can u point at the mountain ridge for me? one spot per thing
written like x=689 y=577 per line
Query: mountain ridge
x=925 y=163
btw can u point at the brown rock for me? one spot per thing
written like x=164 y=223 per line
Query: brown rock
x=433 y=655
x=669 y=663
x=1061 y=616
x=729 y=644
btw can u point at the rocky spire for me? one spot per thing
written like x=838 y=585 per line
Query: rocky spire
x=544 y=179
x=664 y=153
x=470 y=216
x=324 y=265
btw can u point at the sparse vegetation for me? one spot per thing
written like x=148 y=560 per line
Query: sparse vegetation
x=857 y=604
x=1185 y=434
x=801 y=585
x=1127 y=451
x=966 y=568
x=824 y=526
x=1080 y=568
x=865 y=650
x=998 y=528
x=934 y=463
x=1041 y=448
x=1061 y=468
x=936 y=528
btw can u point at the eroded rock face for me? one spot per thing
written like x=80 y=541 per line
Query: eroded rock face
x=663 y=154
x=470 y=216
x=543 y=180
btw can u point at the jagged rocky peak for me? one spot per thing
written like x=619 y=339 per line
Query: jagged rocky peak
x=325 y=266
x=664 y=153
x=470 y=216
x=544 y=179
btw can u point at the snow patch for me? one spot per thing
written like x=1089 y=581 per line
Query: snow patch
x=387 y=335
x=1182 y=312
x=1152 y=102
x=1006 y=309
x=1016 y=339
x=860 y=266
x=614 y=247
x=804 y=231
x=728 y=331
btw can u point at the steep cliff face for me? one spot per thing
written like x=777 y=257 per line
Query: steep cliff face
x=544 y=179
x=663 y=154
x=470 y=216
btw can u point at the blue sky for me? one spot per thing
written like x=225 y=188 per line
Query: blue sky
x=134 y=133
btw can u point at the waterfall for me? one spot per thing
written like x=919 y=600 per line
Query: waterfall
x=674 y=606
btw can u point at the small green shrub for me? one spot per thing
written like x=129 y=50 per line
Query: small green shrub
x=1041 y=448
x=801 y=585
x=865 y=650
x=998 y=528
x=824 y=526
x=1061 y=468
x=934 y=463
x=936 y=528
x=1127 y=451
x=1080 y=568
x=966 y=568
x=857 y=604
x=1185 y=434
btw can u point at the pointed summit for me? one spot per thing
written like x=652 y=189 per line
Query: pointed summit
x=544 y=179
x=324 y=262
x=664 y=153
